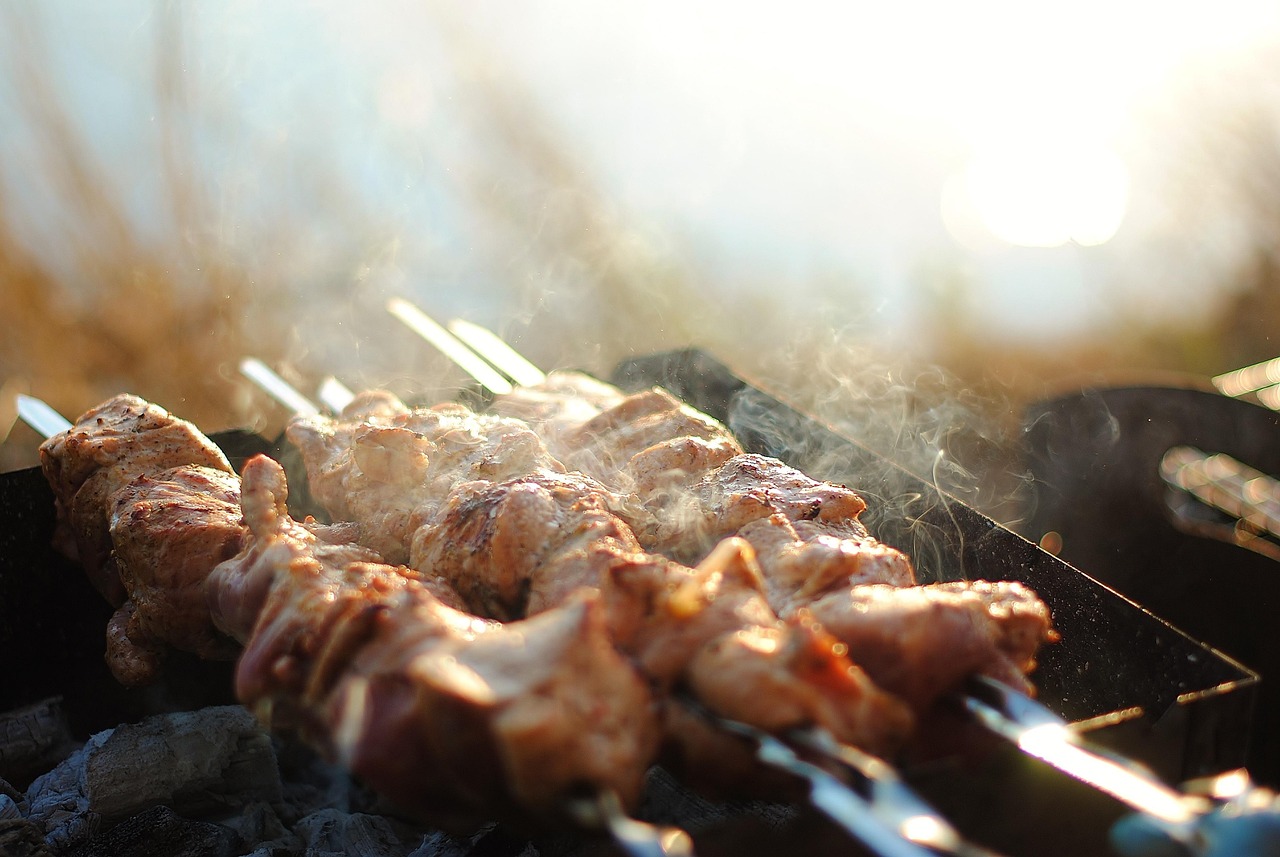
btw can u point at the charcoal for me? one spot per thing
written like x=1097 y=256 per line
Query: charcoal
x=334 y=833
x=34 y=738
x=160 y=832
x=20 y=838
x=198 y=763
x=260 y=826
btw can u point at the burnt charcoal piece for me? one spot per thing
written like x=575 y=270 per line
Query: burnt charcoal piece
x=33 y=739
x=201 y=763
x=160 y=832
x=21 y=838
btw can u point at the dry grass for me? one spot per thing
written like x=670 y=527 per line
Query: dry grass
x=169 y=317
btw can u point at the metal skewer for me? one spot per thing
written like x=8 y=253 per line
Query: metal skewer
x=455 y=350
x=636 y=838
x=1248 y=498
x=334 y=394
x=886 y=815
x=504 y=358
x=41 y=417
x=276 y=387
x=1039 y=732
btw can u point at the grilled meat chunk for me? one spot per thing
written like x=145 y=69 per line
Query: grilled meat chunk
x=456 y=718
x=381 y=466
x=921 y=642
x=562 y=402
x=170 y=530
x=109 y=446
x=523 y=546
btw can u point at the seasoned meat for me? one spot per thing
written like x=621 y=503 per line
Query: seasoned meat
x=605 y=445
x=748 y=488
x=921 y=642
x=526 y=545
x=803 y=561
x=562 y=402
x=109 y=446
x=455 y=718
x=816 y=557
x=518 y=547
x=169 y=531
x=382 y=473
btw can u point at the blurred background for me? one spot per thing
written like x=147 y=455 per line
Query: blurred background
x=917 y=215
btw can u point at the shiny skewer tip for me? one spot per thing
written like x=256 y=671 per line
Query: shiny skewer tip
x=276 y=387
x=445 y=342
x=41 y=417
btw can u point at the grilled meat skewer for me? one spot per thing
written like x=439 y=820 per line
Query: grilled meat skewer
x=449 y=715
x=517 y=546
x=452 y=717
x=149 y=506
x=813 y=551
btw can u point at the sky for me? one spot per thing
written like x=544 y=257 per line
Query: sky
x=783 y=145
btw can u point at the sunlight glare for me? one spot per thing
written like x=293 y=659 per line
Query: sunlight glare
x=1047 y=196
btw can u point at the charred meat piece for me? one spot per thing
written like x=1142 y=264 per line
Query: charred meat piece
x=455 y=718
x=802 y=561
x=109 y=446
x=521 y=546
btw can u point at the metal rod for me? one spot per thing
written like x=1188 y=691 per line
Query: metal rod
x=334 y=394
x=491 y=347
x=444 y=341
x=41 y=417
x=869 y=820
x=636 y=838
x=1039 y=732
x=891 y=798
x=276 y=387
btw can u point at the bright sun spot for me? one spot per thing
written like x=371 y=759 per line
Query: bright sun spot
x=1047 y=196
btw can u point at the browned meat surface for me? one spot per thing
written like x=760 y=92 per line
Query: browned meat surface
x=921 y=642
x=518 y=547
x=109 y=446
x=169 y=531
x=812 y=550
x=526 y=545
x=604 y=446
x=455 y=718
x=562 y=402
x=382 y=467
x=802 y=561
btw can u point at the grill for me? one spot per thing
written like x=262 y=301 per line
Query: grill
x=1129 y=679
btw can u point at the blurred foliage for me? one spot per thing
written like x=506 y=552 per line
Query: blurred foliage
x=169 y=316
